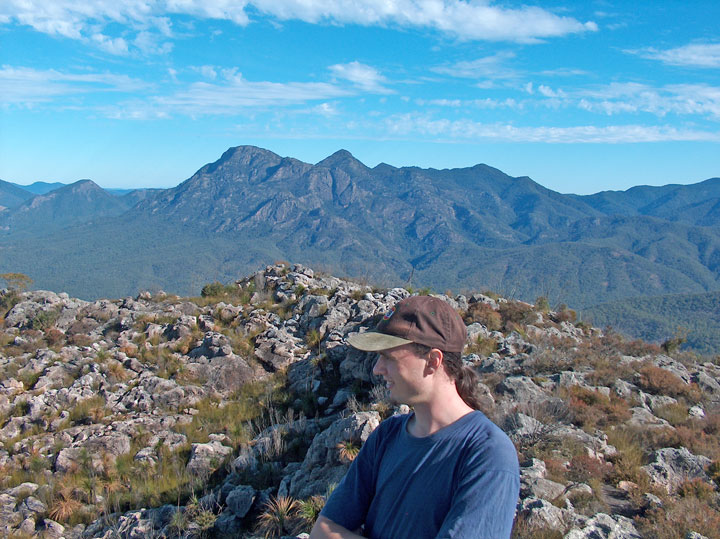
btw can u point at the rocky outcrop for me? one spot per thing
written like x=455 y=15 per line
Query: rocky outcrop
x=259 y=396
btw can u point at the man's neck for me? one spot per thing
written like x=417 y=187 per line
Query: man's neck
x=433 y=416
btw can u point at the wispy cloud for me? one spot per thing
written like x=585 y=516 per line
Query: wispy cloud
x=230 y=94
x=23 y=86
x=363 y=76
x=487 y=103
x=488 y=67
x=693 y=55
x=478 y=20
x=681 y=99
x=468 y=130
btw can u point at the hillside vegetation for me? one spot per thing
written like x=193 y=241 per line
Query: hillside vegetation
x=233 y=414
x=694 y=318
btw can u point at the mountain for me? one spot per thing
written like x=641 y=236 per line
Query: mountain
x=473 y=227
x=40 y=188
x=76 y=203
x=697 y=204
x=12 y=195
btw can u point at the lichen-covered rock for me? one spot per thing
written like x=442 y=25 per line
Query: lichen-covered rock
x=322 y=464
x=671 y=466
x=206 y=458
x=603 y=526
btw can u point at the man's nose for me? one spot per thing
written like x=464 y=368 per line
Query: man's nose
x=379 y=367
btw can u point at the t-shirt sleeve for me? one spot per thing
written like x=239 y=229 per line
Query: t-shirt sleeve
x=349 y=503
x=484 y=502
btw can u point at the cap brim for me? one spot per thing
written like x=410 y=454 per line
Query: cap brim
x=372 y=341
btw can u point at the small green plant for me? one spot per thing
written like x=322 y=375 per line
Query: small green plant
x=309 y=509
x=45 y=319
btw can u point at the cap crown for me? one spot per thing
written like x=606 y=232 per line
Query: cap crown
x=425 y=320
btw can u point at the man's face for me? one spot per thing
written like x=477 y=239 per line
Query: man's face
x=404 y=372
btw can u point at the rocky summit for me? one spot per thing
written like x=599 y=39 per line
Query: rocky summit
x=235 y=413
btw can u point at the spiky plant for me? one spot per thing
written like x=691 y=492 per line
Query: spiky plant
x=310 y=509
x=64 y=505
x=279 y=518
x=348 y=450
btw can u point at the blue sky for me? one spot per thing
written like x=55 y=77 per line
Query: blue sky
x=580 y=96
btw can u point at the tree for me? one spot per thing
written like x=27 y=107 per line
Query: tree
x=16 y=282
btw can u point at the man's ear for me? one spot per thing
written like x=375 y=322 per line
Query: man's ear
x=434 y=359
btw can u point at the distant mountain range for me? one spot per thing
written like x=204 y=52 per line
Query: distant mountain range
x=447 y=229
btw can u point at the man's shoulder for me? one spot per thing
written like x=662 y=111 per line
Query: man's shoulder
x=490 y=442
x=392 y=425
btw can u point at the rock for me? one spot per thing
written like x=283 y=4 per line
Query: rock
x=534 y=468
x=643 y=418
x=27 y=526
x=708 y=385
x=228 y=524
x=53 y=529
x=240 y=499
x=696 y=411
x=671 y=467
x=603 y=526
x=322 y=465
x=31 y=506
x=539 y=487
x=522 y=389
x=542 y=514
x=206 y=458
x=694 y=535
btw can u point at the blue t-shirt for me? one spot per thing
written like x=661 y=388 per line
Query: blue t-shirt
x=462 y=481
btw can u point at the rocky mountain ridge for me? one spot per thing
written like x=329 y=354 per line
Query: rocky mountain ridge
x=183 y=417
x=447 y=229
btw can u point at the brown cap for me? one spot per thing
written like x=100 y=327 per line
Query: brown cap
x=421 y=319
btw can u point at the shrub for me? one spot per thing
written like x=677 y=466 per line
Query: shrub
x=216 y=289
x=89 y=411
x=484 y=314
x=45 y=319
x=583 y=468
x=309 y=509
x=592 y=409
x=517 y=313
x=542 y=304
x=659 y=381
x=676 y=518
x=483 y=346
x=64 y=506
x=280 y=517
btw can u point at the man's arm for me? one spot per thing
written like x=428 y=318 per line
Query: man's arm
x=326 y=529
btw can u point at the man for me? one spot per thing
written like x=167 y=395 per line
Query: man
x=443 y=470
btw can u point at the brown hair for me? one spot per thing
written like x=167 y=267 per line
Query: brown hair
x=466 y=379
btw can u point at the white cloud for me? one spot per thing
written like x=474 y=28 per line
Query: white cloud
x=467 y=130
x=549 y=92
x=112 y=45
x=488 y=67
x=24 y=86
x=232 y=95
x=470 y=20
x=681 y=99
x=693 y=55
x=487 y=103
x=478 y=20
x=363 y=76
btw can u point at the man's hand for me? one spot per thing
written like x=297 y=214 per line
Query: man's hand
x=326 y=529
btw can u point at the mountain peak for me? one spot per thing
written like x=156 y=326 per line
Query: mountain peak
x=341 y=158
